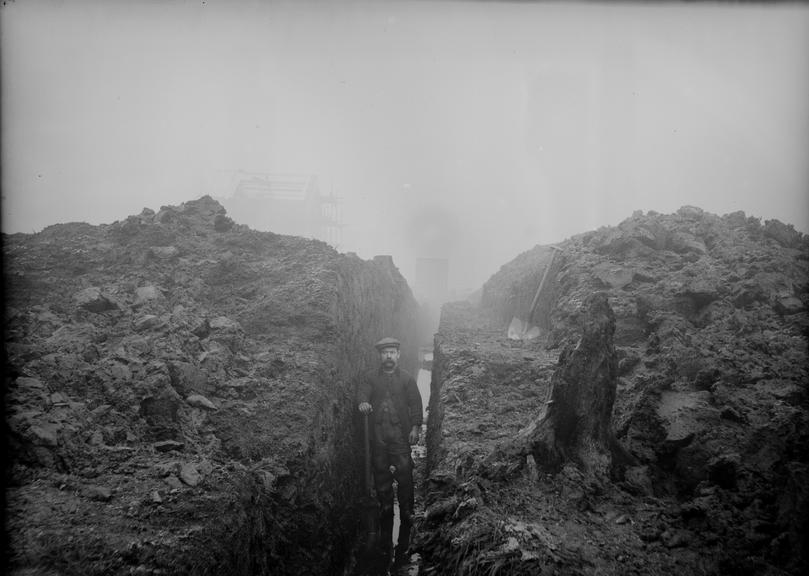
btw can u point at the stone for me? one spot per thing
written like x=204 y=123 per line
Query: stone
x=691 y=212
x=156 y=498
x=173 y=482
x=737 y=219
x=46 y=434
x=682 y=242
x=145 y=294
x=96 y=439
x=682 y=414
x=676 y=538
x=94 y=300
x=190 y=474
x=650 y=533
x=788 y=305
x=119 y=371
x=145 y=322
x=224 y=323
x=168 y=445
x=729 y=413
x=99 y=493
x=205 y=206
x=165 y=252
x=187 y=378
x=199 y=401
x=613 y=276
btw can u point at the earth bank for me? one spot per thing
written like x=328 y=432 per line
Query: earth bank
x=179 y=395
x=710 y=410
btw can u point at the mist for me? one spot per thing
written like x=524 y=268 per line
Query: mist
x=470 y=131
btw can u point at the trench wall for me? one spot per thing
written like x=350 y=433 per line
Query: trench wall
x=484 y=389
x=305 y=520
x=711 y=323
x=180 y=395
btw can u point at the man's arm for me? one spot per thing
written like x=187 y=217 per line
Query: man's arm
x=415 y=409
x=414 y=404
x=364 y=394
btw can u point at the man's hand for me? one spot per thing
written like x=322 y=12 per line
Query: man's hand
x=415 y=431
x=366 y=408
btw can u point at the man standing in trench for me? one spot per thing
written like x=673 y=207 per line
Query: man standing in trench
x=391 y=399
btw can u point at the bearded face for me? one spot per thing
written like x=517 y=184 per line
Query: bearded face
x=389 y=358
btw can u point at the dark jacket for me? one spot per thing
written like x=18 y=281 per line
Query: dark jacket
x=404 y=393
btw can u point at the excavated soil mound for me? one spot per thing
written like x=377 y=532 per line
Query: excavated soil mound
x=179 y=395
x=711 y=407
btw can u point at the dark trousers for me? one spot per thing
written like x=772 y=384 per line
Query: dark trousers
x=391 y=450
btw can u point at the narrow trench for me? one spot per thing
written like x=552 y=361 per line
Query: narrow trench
x=360 y=562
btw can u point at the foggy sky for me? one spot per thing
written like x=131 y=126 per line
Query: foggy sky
x=466 y=130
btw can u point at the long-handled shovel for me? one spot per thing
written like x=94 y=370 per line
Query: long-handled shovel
x=519 y=330
x=370 y=505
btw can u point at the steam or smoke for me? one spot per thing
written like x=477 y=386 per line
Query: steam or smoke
x=470 y=131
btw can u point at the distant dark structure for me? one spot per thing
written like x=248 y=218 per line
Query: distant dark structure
x=432 y=281
x=285 y=204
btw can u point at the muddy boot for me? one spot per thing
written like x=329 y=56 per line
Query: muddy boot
x=384 y=556
x=384 y=560
x=385 y=550
x=386 y=531
x=401 y=557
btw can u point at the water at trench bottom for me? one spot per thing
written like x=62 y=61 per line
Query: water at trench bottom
x=418 y=451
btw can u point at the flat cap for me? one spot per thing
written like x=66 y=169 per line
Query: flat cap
x=387 y=343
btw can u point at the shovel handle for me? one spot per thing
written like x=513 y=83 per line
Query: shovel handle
x=368 y=485
x=541 y=285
